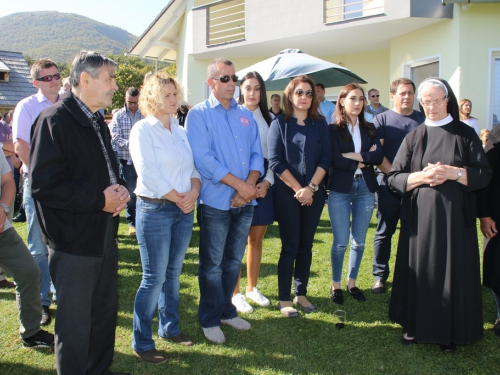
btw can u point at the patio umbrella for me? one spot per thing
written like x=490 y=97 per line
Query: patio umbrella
x=278 y=70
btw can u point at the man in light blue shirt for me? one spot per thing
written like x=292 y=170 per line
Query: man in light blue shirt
x=326 y=107
x=226 y=147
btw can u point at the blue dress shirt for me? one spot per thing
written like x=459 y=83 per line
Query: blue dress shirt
x=223 y=141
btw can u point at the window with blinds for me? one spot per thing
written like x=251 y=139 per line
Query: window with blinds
x=225 y=22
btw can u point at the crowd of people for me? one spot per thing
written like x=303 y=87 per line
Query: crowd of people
x=241 y=165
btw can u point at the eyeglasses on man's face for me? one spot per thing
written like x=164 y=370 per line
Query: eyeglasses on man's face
x=49 y=78
x=226 y=78
x=437 y=102
x=299 y=93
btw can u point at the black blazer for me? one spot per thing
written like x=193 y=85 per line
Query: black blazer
x=285 y=154
x=341 y=174
x=68 y=174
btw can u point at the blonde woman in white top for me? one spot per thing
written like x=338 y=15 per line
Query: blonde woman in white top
x=253 y=96
x=168 y=185
x=465 y=109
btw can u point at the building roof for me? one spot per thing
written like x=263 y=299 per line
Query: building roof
x=20 y=83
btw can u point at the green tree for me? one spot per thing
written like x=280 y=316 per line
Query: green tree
x=131 y=72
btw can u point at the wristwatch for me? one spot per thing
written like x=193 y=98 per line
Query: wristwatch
x=313 y=186
x=5 y=208
x=459 y=174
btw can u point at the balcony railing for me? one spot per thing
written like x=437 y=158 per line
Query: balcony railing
x=226 y=22
x=342 y=10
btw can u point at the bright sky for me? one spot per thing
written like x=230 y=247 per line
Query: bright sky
x=135 y=16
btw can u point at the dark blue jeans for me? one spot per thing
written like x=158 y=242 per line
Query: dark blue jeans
x=223 y=238
x=297 y=226
x=130 y=176
x=388 y=210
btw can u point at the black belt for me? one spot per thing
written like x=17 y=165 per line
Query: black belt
x=154 y=200
x=357 y=176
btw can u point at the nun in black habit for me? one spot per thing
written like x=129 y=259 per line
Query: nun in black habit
x=488 y=207
x=436 y=294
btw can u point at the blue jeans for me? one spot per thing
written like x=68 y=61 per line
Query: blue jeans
x=361 y=202
x=130 y=176
x=36 y=245
x=223 y=238
x=388 y=210
x=163 y=234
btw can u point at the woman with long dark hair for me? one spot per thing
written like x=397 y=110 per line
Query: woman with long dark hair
x=300 y=155
x=253 y=96
x=352 y=184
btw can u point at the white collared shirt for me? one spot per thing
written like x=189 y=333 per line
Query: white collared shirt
x=356 y=138
x=263 y=130
x=162 y=159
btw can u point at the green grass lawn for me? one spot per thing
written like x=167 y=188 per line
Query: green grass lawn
x=309 y=344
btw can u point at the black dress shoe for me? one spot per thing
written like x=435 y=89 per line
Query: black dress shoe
x=179 y=339
x=19 y=218
x=45 y=316
x=496 y=327
x=407 y=342
x=336 y=296
x=378 y=287
x=447 y=348
x=356 y=294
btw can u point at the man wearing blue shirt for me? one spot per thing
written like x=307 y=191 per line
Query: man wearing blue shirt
x=227 y=152
x=326 y=107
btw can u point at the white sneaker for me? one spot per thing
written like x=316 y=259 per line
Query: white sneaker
x=237 y=323
x=241 y=304
x=214 y=334
x=256 y=296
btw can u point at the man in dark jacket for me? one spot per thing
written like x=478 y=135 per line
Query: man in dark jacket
x=73 y=177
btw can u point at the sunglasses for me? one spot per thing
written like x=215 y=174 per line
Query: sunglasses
x=225 y=79
x=299 y=93
x=374 y=96
x=49 y=78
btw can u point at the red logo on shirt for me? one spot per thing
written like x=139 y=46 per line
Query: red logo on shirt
x=245 y=121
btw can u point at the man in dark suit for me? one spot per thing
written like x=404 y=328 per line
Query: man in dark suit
x=73 y=177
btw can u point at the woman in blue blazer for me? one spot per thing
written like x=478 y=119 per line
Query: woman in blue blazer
x=352 y=184
x=299 y=154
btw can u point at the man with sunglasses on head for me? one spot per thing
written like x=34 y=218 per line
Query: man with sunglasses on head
x=227 y=152
x=374 y=108
x=47 y=79
x=120 y=128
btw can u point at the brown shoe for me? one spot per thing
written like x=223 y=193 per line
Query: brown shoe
x=131 y=231
x=180 y=339
x=7 y=284
x=152 y=356
x=378 y=287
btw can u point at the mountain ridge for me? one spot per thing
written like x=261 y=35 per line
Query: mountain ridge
x=60 y=36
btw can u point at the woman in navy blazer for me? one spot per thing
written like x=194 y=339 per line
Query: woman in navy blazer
x=299 y=154
x=352 y=183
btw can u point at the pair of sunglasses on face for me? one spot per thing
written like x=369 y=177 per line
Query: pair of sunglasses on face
x=225 y=79
x=49 y=78
x=299 y=93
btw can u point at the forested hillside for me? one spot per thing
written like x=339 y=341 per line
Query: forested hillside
x=60 y=36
